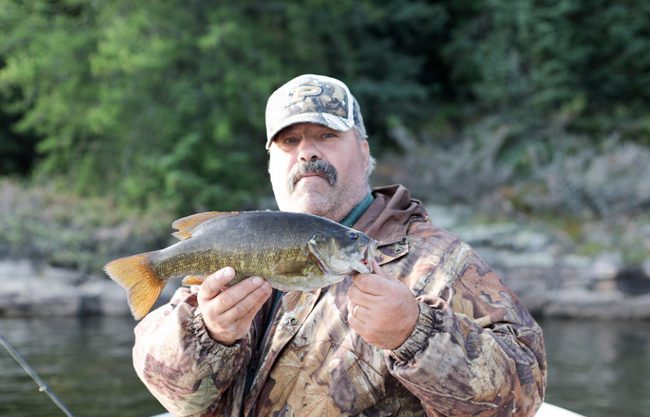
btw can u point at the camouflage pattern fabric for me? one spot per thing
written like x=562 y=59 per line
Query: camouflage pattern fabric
x=475 y=351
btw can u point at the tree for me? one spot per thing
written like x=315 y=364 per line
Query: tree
x=163 y=103
x=166 y=101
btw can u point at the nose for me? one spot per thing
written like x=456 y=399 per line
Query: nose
x=308 y=150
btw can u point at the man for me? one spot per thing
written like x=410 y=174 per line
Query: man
x=432 y=331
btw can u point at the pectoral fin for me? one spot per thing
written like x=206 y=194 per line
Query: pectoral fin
x=193 y=280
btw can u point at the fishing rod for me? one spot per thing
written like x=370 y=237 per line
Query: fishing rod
x=42 y=386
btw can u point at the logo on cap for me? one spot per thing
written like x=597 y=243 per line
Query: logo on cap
x=302 y=92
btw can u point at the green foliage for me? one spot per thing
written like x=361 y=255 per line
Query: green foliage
x=166 y=101
x=163 y=103
x=574 y=61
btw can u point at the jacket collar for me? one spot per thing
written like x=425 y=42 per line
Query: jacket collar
x=388 y=217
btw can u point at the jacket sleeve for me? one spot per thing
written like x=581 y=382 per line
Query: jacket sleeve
x=182 y=366
x=475 y=349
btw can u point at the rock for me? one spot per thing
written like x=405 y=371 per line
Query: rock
x=447 y=217
x=27 y=289
x=632 y=281
x=539 y=264
x=103 y=297
x=551 y=280
x=513 y=237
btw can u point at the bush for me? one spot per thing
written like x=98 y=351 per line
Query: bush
x=60 y=229
x=457 y=169
x=488 y=166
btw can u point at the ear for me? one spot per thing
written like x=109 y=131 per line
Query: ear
x=365 y=148
x=365 y=152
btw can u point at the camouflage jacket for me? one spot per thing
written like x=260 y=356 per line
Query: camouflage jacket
x=475 y=350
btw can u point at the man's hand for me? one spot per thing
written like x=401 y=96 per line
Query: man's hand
x=229 y=311
x=381 y=309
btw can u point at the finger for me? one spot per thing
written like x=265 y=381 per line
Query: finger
x=371 y=284
x=246 y=309
x=357 y=296
x=214 y=283
x=350 y=306
x=235 y=294
x=357 y=311
x=377 y=269
x=355 y=322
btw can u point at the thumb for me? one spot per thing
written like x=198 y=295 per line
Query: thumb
x=377 y=270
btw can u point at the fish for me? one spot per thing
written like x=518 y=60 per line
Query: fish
x=292 y=251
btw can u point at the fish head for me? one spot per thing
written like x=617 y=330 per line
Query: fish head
x=343 y=251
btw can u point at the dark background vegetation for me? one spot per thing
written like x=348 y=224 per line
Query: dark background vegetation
x=114 y=110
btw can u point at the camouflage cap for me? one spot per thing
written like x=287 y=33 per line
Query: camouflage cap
x=316 y=99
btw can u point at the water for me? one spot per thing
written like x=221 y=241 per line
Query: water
x=85 y=362
x=599 y=368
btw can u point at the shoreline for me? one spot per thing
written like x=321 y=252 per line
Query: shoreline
x=549 y=285
x=540 y=263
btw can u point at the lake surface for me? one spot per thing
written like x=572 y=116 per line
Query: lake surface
x=599 y=369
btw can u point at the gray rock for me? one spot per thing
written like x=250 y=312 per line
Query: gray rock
x=551 y=280
x=447 y=217
x=538 y=263
x=27 y=289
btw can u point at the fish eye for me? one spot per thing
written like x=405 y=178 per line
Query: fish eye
x=353 y=235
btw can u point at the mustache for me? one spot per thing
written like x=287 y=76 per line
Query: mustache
x=318 y=167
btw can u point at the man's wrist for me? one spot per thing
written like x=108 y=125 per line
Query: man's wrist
x=419 y=337
x=205 y=337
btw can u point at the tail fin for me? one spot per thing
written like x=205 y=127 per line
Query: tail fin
x=135 y=275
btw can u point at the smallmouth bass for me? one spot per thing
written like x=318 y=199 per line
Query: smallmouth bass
x=292 y=251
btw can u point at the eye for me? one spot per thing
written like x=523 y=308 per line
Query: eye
x=290 y=140
x=328 y=135
x=353 y=235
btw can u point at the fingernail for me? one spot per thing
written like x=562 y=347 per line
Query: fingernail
x=228 y=272
x=257 y=280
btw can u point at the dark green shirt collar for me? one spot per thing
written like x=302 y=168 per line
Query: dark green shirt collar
x=357 y=211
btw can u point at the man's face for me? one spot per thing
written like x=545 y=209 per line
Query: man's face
x=317 y=170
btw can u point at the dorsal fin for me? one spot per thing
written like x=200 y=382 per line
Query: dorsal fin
x=186 y=225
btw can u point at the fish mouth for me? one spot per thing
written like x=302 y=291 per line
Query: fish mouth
x=333 y=260
x=370 y=250
x=365 y=263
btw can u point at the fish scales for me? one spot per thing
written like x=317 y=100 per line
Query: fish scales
x=252 y=245
x=293 y=251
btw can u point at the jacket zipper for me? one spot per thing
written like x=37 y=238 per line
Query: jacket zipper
x=253 y=364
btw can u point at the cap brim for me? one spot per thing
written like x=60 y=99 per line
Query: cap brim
x=323 y=119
